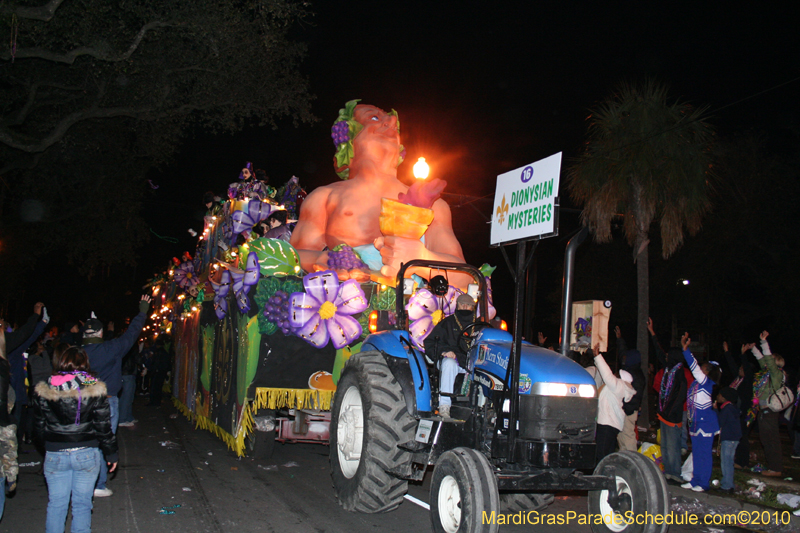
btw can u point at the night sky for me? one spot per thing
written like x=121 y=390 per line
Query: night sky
x=485 y=87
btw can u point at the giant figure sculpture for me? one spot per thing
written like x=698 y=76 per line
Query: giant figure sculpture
x=348 y=212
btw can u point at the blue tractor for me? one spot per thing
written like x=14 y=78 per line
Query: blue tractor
x=488 y=456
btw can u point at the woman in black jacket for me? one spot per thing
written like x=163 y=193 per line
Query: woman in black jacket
x=73 y=421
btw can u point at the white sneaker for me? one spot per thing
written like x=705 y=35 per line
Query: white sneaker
x=444 y=411
x=698 y=488
x=126 y=424
x=103 y=493
x=687 y=486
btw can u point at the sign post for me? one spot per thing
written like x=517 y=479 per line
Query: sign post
x=525 y=209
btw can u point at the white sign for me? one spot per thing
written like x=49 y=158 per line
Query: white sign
x=524 y=201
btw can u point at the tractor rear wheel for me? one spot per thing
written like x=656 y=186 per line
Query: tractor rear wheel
x=369 y=421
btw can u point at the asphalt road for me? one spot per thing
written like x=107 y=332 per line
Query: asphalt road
x=165 y=462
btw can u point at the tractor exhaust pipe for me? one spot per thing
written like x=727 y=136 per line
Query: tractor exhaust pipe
x=567 y=287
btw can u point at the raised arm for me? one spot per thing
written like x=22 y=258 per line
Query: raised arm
x=660 y=353
x=767 y=360
x=697 y=372
x=622 y=346
x=730 y=361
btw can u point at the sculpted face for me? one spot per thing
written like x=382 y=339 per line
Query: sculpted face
x=380 y=138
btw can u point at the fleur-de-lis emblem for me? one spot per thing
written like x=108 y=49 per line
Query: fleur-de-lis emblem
x=502 y=210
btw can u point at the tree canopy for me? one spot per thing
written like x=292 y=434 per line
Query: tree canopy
x=649 y=159
x=94 y=93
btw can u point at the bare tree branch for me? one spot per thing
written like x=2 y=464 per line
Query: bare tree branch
x=45 y=12
x=19 y=164
x=58 y=132
x=70 y=57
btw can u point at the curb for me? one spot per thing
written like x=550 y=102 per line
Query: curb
x=720 y=504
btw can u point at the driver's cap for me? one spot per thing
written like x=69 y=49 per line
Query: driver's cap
x=465 y=299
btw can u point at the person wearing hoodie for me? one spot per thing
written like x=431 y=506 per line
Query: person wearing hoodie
x=632 y=364
x=610 y=416
x=106 y=359
x=73 y=423
x=765 y=383
x=703 y=421
x=671 y=397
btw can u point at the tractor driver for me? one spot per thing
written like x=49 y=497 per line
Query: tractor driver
x=442 y=345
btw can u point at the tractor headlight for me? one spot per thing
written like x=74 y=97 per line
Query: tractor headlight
x=553 y=389
x=563 y=389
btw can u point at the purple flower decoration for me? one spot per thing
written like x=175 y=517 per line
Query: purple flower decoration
x=257 y=211
x=243 y=280
x=448 y=301
x=426 y=310
x=423 y=312
x=221 y=291
x=323 y=312
x=185 y=276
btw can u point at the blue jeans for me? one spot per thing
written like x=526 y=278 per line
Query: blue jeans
x=450 y=369
x=71 y=473
x=126 y=398
x=671 y=449
x=726 y=461
x=113 y=404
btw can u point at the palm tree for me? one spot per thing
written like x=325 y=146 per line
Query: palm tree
x=646 y=159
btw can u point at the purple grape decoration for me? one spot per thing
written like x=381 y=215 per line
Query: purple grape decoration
x=277 y=311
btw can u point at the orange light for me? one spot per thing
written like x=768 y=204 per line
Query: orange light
x=421 y=169
x=373 y=322
x=503 y=325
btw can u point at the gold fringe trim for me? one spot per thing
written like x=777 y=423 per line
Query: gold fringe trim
x=245 y=426
x=268 y=398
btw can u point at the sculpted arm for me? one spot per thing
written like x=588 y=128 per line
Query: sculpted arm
x=308 y=236
x=440 y=245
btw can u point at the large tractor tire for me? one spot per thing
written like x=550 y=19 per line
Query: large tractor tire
x=463 y=490
x=368 y=421
x=643 y=490
x=516 y=502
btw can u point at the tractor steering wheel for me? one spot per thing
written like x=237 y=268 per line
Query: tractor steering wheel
x=468 y=334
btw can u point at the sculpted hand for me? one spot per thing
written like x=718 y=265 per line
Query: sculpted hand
x=397 y=250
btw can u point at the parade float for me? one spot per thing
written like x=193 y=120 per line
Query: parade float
x=262 y=327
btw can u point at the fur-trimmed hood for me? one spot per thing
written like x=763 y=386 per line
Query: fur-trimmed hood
x=49 y=392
